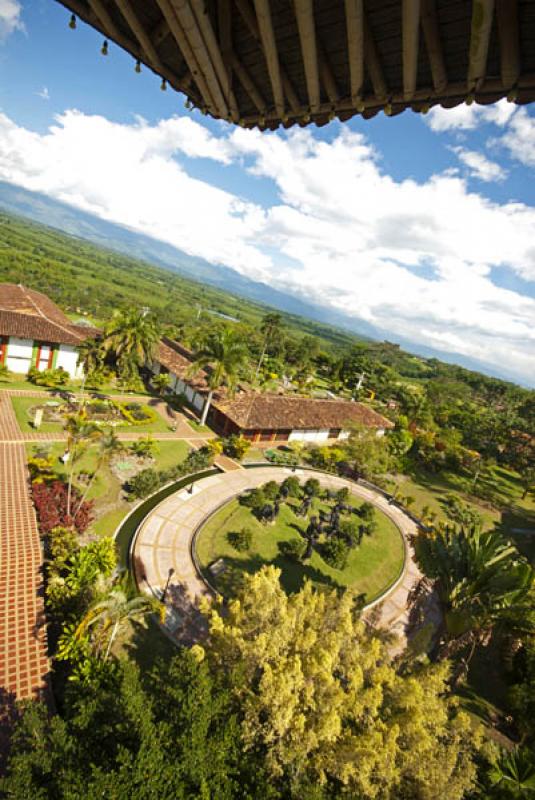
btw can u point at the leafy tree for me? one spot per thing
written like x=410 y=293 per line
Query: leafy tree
x=291 y=486
x=130 y=339
x=225 y=354
x=145 y=482
x=107 y=617
x=236 y=446
x=271 y=490
x=479 y=577
x=271 y=328
x=322 y=705
x=91 y=356
x=312 y=487
x=369 y=453
x=255 y=499
x=335 y=552
x=241 y=540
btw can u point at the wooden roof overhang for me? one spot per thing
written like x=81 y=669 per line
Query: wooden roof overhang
x=270 y=62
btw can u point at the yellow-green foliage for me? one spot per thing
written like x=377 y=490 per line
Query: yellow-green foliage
x=42 y=469
x=324 y=702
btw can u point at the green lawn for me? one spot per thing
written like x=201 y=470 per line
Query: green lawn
x=23 y=405
x=110 y=507
x=371 y=568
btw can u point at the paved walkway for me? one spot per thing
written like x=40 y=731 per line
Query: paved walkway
x=162 y=553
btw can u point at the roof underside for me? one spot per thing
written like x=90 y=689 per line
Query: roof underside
x=267 y=62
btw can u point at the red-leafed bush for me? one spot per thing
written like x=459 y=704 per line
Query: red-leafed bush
x=50 y=500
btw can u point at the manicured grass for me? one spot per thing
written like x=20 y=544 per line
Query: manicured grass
x=254 y=454
x=106 y=488
x=23 y=405
x=371 y=568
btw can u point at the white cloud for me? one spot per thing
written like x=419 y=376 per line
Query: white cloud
x=479 y=165
x=415 y=259
x=10 y=18
x=519 y=138
x=43 y=94
x=464 y=117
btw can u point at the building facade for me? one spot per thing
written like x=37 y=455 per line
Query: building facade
x=263 y=417
x=35 y=333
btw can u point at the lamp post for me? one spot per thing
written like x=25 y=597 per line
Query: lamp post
x=169 y=576
x=190 y=487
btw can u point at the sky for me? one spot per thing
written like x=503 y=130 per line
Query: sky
x=421 y=225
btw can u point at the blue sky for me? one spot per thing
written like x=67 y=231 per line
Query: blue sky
x=422 y=226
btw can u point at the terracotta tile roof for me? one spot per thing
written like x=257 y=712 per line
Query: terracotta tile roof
x=253 y=411
x=178 y=359
x=28 y=314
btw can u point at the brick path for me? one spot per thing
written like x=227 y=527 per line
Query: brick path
x=165 y=538
x=23 y=660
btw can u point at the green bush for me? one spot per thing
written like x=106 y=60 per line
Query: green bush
x=137 y=414
x=48 y=377
x=342 y=495
x=240 y=540
x=367 y=512
x=294 y=549
x=292 y=486
x=312 y=487
x=144 y=447
x=271 y=490
x=255 y=499
x=351 y=532
x=145 y=482
x=335 y=552
x=236 y=446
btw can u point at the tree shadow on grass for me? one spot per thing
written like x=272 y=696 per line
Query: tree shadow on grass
x=293 y=574
x=518 y=524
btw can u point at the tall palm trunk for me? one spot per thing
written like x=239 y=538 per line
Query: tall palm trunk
x=207 y=405
x=71 y=477
x=87 y=488
x=262 y=354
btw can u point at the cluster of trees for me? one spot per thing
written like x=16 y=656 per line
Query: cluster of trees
x=316 y=711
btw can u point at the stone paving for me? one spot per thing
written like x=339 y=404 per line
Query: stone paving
x=162 y=551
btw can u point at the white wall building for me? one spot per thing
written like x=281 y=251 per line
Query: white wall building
x=34 y=332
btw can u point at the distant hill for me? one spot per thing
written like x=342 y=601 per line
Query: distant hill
x=52 y=213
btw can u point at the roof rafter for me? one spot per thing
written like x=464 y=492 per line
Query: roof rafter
x=248 y=84
x=355 y=46
x=373 y=63
x=433 y=44
x=508 y=31
x=482 y=16
x=202 y=49
x=215 y=55
x=410 y=11
x=326 y=74
x=137 y=29
x=269 y=45
x=189 y=56
x=304 y=13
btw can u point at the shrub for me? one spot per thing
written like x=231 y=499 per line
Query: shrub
x=271 y=490
x=351 y=532
x=241 y=540
x=197 y=460
x=48 y=377
x=137 y=414
x=62 y=543
x=342 y=495
x=366 y=512
x=293 y=549
x=312 y=487
x=215 y=446
x=42 y=469
x=255 y=499
x=291 y=486
x=50 y=500
x=144 y=447
x=283 y=457
x=335 y=551
x=236 y=446
x=145 y=482
x=367 y=528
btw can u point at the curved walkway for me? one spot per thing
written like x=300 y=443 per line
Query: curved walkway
x=162 y=549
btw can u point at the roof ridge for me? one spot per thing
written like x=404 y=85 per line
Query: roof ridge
x=42 y=314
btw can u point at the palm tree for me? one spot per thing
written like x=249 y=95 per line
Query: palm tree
x=513 y=774
x=225 y=354
x=107 y=617
x=479 y=577
x=131 y=338
x=108 y=445
x=90 y=355
x=79 y=433
x=269 y=326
